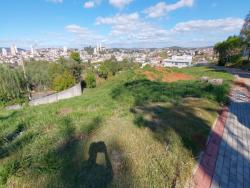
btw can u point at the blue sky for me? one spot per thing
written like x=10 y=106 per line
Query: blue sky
x=119 y=23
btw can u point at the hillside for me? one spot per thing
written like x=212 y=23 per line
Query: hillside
x=152 y=131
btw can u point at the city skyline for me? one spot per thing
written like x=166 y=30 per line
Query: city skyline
x=119 y=23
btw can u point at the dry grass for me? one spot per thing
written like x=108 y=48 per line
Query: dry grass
x=143 y=157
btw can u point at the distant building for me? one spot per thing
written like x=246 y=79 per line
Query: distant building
x=99 y=48
x=33 y=51
x=13 y=50
x=65 y=50
x=16 y=50
x=178 y=61
x=4 y=52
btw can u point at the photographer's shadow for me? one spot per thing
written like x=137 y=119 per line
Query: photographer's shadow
x=94 y=175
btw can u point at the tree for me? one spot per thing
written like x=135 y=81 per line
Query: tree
x=245 y=35
x=76 y=70
x=229 y=51
x=108 y=67
x=103 y=71
x=75 y=56
x=74 y=67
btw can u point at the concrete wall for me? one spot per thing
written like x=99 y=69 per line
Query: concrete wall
x=66 y=94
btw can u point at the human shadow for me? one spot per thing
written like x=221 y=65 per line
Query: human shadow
x=69 y=164
x=94 y=175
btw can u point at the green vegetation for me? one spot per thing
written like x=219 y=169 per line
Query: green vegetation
x=229 y=51
x=152 y=133
x=75 y=56
x=90 y=80
x=12 y=85
x=63 y=81
x=108 y=68
x=43 y=76
x=37 y=76
x=236 y=48
x=111 y=67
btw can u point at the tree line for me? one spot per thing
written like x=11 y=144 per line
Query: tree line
x=235 y=48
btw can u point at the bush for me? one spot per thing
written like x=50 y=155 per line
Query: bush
x=64 y=81
x=90 y=80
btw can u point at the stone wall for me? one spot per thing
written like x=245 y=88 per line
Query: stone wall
x=66 y=94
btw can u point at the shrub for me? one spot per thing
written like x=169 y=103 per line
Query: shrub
x=90 y=80
x=64 y=81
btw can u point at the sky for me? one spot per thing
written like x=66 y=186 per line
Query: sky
x=119 y=23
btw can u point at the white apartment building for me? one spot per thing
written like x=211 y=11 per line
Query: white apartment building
x=178 y=61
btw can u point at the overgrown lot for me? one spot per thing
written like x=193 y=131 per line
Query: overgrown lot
x=152 y=132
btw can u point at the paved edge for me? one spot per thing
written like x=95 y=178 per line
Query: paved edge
x=203 y=176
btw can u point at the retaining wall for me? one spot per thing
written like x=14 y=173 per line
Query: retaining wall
x=66 y=94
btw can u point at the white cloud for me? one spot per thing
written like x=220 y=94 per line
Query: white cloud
x=92 y=3
x=55 y=1
x=130 y=30
x=76 y=29
x=118 y=19
x=218 y=25
x=162 y=8
x=83 y=36
x=120 y=3
x=89 y=4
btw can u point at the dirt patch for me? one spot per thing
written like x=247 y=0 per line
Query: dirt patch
x=150 y=75
x=165 y=75
x=173 y=77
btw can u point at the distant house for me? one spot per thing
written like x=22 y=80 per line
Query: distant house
x=178 y=61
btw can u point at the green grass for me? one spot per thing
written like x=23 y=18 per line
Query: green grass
x=153 y=132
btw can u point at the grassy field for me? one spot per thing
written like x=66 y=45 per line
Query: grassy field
x=151 y=133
